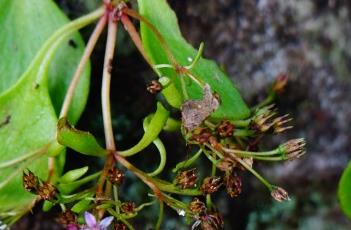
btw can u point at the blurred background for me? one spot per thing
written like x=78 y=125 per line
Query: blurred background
x=254 y=41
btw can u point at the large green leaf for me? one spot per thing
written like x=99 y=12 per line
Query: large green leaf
x=25 y=26
x=344 y=191
x=27 y=116
x=163 y=18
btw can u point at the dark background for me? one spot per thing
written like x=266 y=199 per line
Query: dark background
x=254 y=40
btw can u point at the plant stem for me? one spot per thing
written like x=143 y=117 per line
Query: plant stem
x=160 y=216
x=87 y=52
x=162 y=41
x=130 y=28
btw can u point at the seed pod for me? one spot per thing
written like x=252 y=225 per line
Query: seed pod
x=211 y=184
x=225 y=128
x=115 y=176
x=186 y=179
x=128 y=207
x=47 y=191
x=233 y=185
x=30 y=182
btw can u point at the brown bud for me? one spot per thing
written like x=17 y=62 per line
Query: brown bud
x=226 y=164
x=120 y=226
x=294 y=148
x=154 y=87
x=47 y=191
x=197 y=206
x=280 y=83
x=67 y=217
x=128 y=207
x=186 y=179
x=233 y=185
x=225 y=129
x=211 y=184
x=279 y=194
x=30 y=182
x=115 y=176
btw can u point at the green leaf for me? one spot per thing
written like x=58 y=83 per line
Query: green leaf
x=25 y=26
x=67 y=188
x=81 y=206
x=28 y=119
x=73 y=175
x=163 y=18
x=80 y=141
x=344 y=191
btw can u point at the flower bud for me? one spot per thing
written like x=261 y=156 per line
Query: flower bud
x=115 y=176
x=154 y=87
x=47 y=191
x=226 y=164
x=211 y=184
x=120 y=226
x=30 y=182
x=280 y=83
x=233 y=185
x=294 y=148
x=197 y=206
x=186 y=179
x=128 y=207
x=279 y=194
x=67 y=218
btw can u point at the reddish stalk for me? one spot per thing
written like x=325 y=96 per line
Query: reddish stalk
x=83 y=61
x=163 y=43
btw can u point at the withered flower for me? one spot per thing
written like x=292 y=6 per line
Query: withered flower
x=115 y=176
x=262 y=119
x=47 y=191
x=186 y=179
x=233 y=185
x=197 y=206
x=128 y=207
x=154 y=87
x=225 y=128
x=279 y=194
x=211 y=184
x=30 y=181
x=294 y=148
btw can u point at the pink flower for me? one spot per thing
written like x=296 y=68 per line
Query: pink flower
x=92 y=224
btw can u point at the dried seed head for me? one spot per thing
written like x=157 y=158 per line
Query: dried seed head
x=154 y=87
x=197 y=206
x=279 y=123
x=211 y=184
x=280 y=83
x=226 y=164
x=294 y=148
x=120 y=226
x=128 y=207
x=30 y=181
x=47 y=191
x=201 y=135
x=225 y=129
x=233 y=185
x=66 y=218
x=279 y=194
x=115 y=176
x=186 y=179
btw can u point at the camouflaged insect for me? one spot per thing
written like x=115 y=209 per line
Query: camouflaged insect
x=194 y=112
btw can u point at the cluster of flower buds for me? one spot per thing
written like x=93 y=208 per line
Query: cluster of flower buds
x=67 y=219
x=293 y=149
x=33 y=184
x=207 y=220
x=128 y=207
x=265 y=119
x=233 y=184
x=211 y=184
